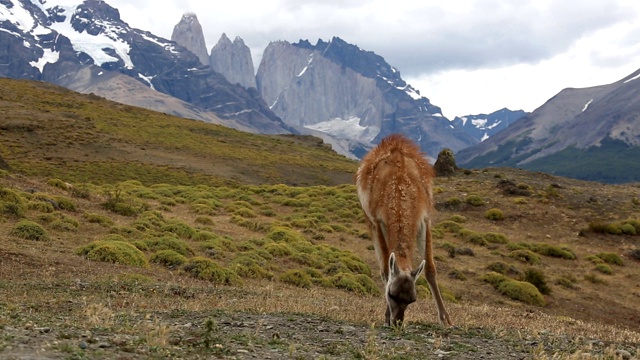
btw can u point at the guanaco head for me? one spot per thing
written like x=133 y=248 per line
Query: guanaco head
x=400 y=290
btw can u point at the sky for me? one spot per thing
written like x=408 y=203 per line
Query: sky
x=466 y=56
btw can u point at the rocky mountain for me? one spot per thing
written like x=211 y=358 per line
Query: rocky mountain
x=77 y=45
x=483 y=126
x=233 y=60
x=188 y=33
x=588 y=133
x=351 y=95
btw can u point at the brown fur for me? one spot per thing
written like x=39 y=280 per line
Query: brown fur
x=394 y=183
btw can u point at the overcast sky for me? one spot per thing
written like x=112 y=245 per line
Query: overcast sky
x=466 y=56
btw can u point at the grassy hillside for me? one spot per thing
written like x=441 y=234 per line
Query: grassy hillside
x=53 y=132
x=155 y=245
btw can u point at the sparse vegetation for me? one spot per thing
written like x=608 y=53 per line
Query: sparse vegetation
x=175 y=246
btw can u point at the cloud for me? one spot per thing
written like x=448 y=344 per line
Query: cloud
x=440 y=47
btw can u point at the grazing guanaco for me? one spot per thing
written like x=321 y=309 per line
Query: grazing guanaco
x=394 y=184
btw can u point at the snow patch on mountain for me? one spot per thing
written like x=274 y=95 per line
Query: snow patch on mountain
x=346 y=129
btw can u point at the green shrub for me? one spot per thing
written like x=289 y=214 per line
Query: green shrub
x=297 y=278
x=285 y=234
x=358 y=283
x=117 y=252
x=179 y=228
x=98 y=219
x=472 y=237
x=474 y=200
x=604 y=228
x=168 y=258
x=611 y=258
x=536 y=278
x=522 y=291
x=495 y=238
x=449 y=226
x=169 y=243
x=494 y=214
x=206 y=269
x=11 y=203
x=251 y=265
x=29 y=230
x=554 y=251
x=204 y=220
x=526 y=256
x=58 y=183
x=453 y=202
x=65 y=203
x=278 y=249
x=566 y=282
x=458 y=218
x=604 y=268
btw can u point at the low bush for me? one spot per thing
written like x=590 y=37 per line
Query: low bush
x=29 y=230
x=604 y=268
x=168 y=258
x=117 y=252
x=536 y=278
x=297 y=278
x=494 y=214
x=474 y=200
x=611 y=258
x=206 y=269
x=526 y=256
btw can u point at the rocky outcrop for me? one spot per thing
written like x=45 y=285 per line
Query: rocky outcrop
x=350 y=94
x=233 y=60
x=188 y=33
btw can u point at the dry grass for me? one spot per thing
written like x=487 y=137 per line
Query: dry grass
x=210 y=214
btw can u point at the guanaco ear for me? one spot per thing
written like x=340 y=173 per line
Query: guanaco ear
x=415 y=274
x=393 y=267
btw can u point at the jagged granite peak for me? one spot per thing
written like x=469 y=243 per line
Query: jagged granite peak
x=483 y=126
x=233 y=60
x=188 y=33
x=351 y=94
x=55 y=41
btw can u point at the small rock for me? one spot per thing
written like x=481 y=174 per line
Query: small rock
x=83 y=345
x=104 y=345
x=44 y=330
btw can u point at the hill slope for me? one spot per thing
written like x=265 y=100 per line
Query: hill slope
x=589 y=133
x=134 y=232
x=51 y=131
